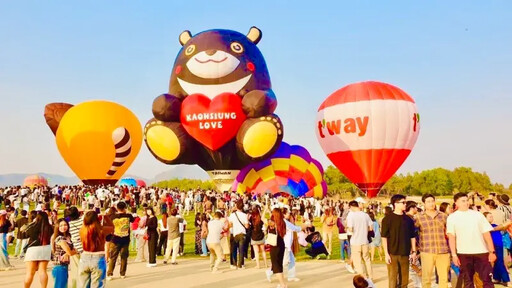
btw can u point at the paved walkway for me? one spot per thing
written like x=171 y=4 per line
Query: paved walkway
x=195 y=273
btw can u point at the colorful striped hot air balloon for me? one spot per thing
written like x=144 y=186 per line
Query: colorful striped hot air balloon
x=367 y=130
x=291 y=170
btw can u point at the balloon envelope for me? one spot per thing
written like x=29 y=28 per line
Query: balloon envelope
x=99 y=140
x=367 y=130
x=35 y=180
x=141 y=183
x=291 y=170
x=127 y=182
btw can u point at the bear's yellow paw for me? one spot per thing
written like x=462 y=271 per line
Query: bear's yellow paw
x=258 y=137
x=164 y=139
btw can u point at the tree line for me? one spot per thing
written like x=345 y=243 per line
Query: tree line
x=438 y=181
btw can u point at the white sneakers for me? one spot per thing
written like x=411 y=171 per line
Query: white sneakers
x=350 y=269
x=268 y=273
x=294 y=279
x=151 y=265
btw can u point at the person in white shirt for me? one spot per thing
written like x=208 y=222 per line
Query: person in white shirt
x=215 y=229
x=359 y=223
x=289 y=257
x=239 y=222
x=470 y=242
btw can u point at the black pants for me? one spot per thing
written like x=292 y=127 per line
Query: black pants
x=162 y=242
x=238 y=243
x=152 y=245
x=479 y=263
x=247 y=244
x=118 y=250
x=182 y=243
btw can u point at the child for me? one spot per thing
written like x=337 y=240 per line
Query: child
x=500 y=273
x=360 y=282
x=317 y=246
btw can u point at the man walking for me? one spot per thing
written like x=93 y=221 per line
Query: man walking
x=120 y=240
x=239 y=222
x=434 y=249
x=21 y=238
x=399 y=242
x=470 y=242
x=173 y=236
x=359 y=223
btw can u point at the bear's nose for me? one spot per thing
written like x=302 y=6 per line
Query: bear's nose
x=210 y=52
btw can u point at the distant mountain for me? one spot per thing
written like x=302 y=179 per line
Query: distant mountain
x=17 y=179
x=181 y=172
x=178 y=171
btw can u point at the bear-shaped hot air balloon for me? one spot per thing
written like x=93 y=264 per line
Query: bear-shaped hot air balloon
x=218 y=112
x=98 y=139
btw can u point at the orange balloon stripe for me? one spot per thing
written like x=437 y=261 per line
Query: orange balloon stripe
x=369 y=166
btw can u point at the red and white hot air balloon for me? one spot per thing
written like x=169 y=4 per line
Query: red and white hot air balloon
x=367 y=130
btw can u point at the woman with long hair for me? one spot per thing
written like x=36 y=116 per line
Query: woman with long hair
x=328 y=221
x=108 y=228
x=39 y=250
x=198 y=222
x=258 y=236
x=164 y=231
x=446 y=208
x=92 y=268
x=376 y=243
x=5 y=226
x=152 y=225
x=62 y=248
x=277 y=226
x=204 y=234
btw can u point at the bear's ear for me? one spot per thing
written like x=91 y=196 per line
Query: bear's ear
x=254 y=35
x=184 y=37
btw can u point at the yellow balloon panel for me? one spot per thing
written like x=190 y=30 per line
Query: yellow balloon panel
x=280 y=164
x=318 y=191
x=87 y=142
x=267 y=173
x=299 y=163
x=241 y=188
x=315 y=172
x=251 y=178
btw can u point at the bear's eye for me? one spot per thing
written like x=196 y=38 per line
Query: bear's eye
x=190 y=49
x=237 y=47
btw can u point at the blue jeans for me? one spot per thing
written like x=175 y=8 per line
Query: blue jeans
x=344 y=246
x=60 y=274
x=290 y=259
x=203 y=246
x=4 y=257
x=92 y=270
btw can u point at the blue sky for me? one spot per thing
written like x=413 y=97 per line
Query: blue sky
x=453 y=57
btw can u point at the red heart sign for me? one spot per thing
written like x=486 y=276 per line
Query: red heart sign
x=212 y=122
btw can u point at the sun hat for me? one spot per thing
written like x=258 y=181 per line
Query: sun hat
x=503 y=198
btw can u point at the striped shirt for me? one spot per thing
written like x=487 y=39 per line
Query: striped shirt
x=507 y=210
x=74 y=230
x=432 y=233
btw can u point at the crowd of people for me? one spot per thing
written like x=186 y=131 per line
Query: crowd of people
x=85 y=231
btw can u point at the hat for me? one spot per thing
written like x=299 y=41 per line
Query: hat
x=3 y=212
x=503 y=198
x=360 y=200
